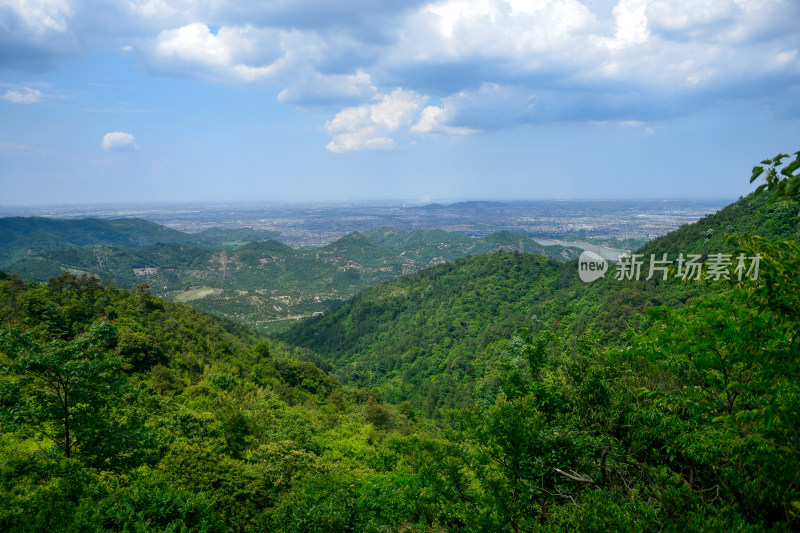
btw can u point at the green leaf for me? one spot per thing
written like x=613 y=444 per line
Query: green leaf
x=789 y=169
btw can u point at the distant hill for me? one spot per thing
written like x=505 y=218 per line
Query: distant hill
x=22 y=237
x=470 y=205
x=476 y=205
x=229 y=237
x=356 y=250
x=408 y=240
x=434 y=246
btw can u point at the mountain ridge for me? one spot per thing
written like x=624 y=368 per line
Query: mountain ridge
x=22 y=237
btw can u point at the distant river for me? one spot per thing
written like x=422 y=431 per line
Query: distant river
x=609 y=254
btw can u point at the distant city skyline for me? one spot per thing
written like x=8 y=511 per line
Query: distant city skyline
x=179 y=101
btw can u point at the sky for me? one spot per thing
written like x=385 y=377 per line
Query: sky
x=314 y=100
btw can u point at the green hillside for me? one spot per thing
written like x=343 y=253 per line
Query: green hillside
x=409 y=240
x=230 y=237
x=29 y=237
x=21 y=237
x=405 y=333
x=432 y=246
x=751 y=215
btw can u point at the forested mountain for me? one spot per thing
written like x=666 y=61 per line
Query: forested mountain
x=431 y=246
x=22 y=237
x=264 y=283
x=120 y=411
x=420 y=336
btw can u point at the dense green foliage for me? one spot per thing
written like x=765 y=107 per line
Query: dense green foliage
x=418 y=336
x=781 y=178
x=684 y=419
x=147 y=413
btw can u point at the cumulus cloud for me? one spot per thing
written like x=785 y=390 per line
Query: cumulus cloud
x=34 y=33
x=153 y=8
x=118 y=141
x=493 y=106
x=435 y=119
x=24 y=95
x=233 y=53
x=40 y=16
x=374 y=126
x=498 y=28
x=490 y=107
x=392 y=119
x=313 y=69
x=315 y=88
x=486 y=64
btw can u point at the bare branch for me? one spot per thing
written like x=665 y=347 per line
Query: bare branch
x=574 y=476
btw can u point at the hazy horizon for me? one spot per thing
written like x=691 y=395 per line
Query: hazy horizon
x=378 y=201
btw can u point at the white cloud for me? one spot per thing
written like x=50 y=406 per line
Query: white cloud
x=628 y=124
x=152 y=8
x=118 y=141
x=374 y=126
x=233 y=53
x=40 y=16
x=316 y=88
x=631 y=18
x=786 y=57
x=512 y=30
x=24 y=95
x=434 y=119
x=490 y=107
x=685 y=16
x=487 y=64
x=244 y=54
x=35 y=33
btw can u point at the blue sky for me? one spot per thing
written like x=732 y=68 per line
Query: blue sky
x=312 y=100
